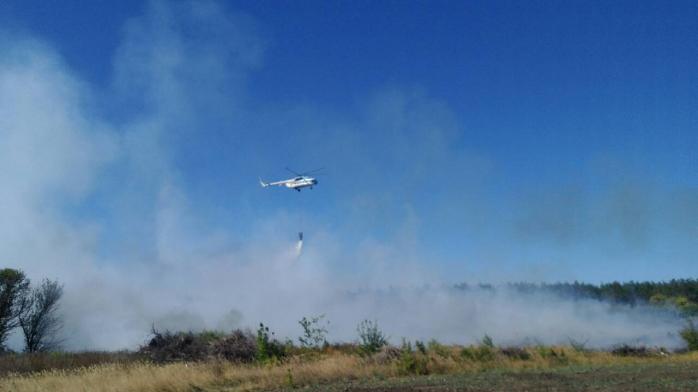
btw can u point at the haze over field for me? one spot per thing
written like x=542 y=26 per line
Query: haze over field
x=131 y=176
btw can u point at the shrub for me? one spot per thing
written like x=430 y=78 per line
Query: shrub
x=171 y=347
x=344 y=348
x=268 y=347
x=439 y=349
x=690 y=335
x=371 y=337
x=578 y=346
x=516 y=353
x=420 y=347
x=386 y=355
x=478 y=353
x=626 y=350
x=410 y=362
x=314 y=332
x=239 y=346
x=483 y=353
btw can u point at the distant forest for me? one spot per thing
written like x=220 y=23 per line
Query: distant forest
x=681 y=294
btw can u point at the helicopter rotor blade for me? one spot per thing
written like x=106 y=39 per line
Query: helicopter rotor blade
x=294 y=172
x=313 y=171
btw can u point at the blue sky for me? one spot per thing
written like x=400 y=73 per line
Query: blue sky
x=482 y=141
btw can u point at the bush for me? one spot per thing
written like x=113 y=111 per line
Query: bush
x=516 y=353
x=487 y=341
x=268 y=347
x=478 y=353
x=690 y=335
x=439 y=349
x=314 y=332
x=371 y=337
x=483 y=353
x=410 y=362
x=626 y=350
x=420 y=347
x=387 y=354
x=172 y=347
x=578 y=346
x=239 y=346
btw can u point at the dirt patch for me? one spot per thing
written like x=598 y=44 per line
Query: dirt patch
x=645 y=377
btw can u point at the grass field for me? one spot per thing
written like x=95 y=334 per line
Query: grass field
x=441 y=368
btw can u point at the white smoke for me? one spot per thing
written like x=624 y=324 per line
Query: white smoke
x=100 y=206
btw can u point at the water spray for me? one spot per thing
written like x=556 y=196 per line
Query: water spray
x=299 y=245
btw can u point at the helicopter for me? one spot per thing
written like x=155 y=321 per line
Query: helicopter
x=300 y=181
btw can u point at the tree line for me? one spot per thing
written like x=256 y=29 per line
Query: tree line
x=679 y=293
x=31 y=308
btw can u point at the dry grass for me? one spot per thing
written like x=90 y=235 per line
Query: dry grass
x=301 y=371
x=188 y=377
x=32 y=363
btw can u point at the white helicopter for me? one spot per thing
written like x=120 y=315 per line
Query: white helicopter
x=302 y=180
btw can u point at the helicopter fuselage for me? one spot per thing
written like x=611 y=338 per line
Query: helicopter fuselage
x=296 y=183
x=299 y=183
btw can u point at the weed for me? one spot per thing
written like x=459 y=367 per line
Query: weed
x=371 y=337
x=577 y=345
x=314 y=332
x=690 y=335
x=478 y=353
x=518 y=353
x=626 y=350
x=420 y=347
x=269 y=349
x=289 y=379
x=410 y=362
x=439 y=349
x=487 y=341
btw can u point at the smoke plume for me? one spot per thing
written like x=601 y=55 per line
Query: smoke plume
x=106 y=189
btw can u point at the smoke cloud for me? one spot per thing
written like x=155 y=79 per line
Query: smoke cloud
x=102 y=190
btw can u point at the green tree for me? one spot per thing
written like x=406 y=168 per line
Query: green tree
x=14 y=287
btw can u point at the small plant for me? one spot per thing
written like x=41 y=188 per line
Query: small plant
x=480 y=353
x=438 y=348
x=289 y=379
x=487 y=341
x=420 y=347
x=578 y=346
x=268 y=348
x=690 y=335
x=371 y=337
x=410 y=362
x=314 y=332
x=555 y=356
x=519 y=353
